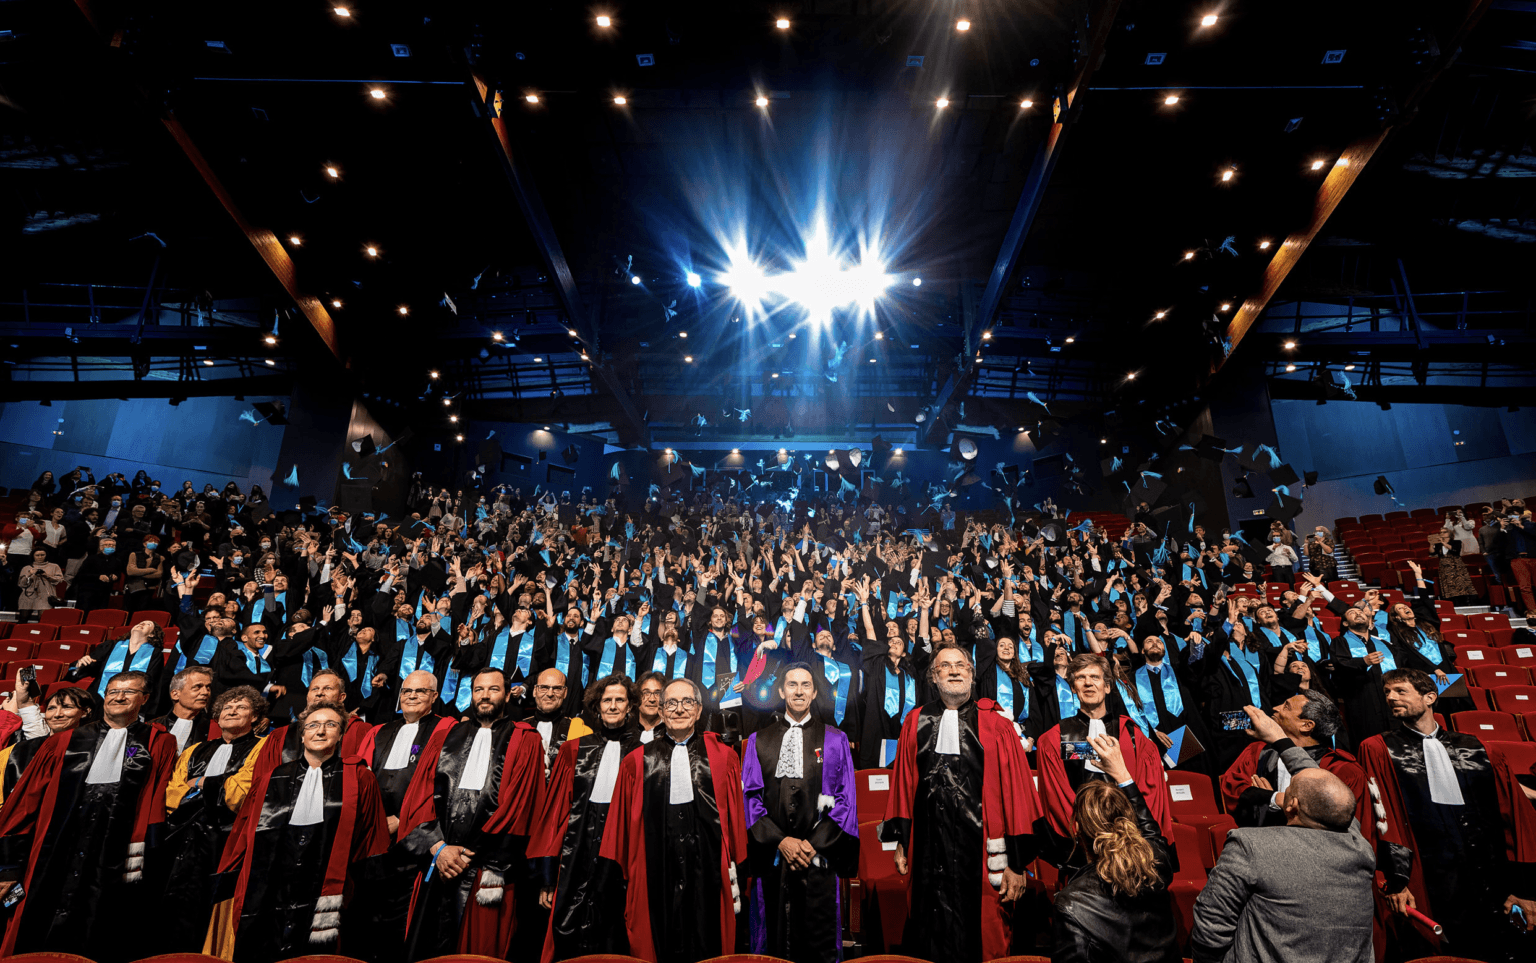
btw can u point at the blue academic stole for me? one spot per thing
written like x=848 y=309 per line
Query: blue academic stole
x=1428 y=648
x=840 y=678
x=894 y=687
x=1066 y=698
x=659 y=664
x=1173 y=701
x=118 y=661
x=1358 y=650
x=413 y=657
x=1005 y=695
x=605 y=663
x=711 y=652
x=254 y=661
x=1134 y=710
x=1069 y=624
x=309 y=666
x=365 y=677
x=203 y=655
x=563 y=646
x=1245 y=671
x=260 y=607
x=1030 y=649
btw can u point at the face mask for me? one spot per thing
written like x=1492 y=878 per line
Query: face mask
x=109 y=550
x=117 y=504
x=1275 y=539
x=154 y=488
x=266 y=545
x=237 y=559
x=151 y=546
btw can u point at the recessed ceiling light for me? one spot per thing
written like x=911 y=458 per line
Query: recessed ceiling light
x=538 y=359
x=341 y=11
x=943 y=102
x=1290 y=345
x=295 y=240
x=332 y=172
x=1161 y=315
x=1349 y=367
x=1026 y=103
x=688 y=358
x=1290 y=367
x=270 y=339
x=962 y=25
x=372 y=251
x=376 y=93
x=1226 y=306
x=1209 y=20
x=404 y=310
x=603 y=21
x=621 y=101
x=208 y=362
x=1189 y=255
x=879 y=335
x=432 y=374
x=761 y=101
x=1171 y=99
x=1226 y=175
x=1317 y=165
x=782 y=23
x=496 y=336
x=682 y=334
x=271 y=363
x=917 y=282
x=336 y=302
x=531 y=98
x=1263 y=245
x=1071 y=340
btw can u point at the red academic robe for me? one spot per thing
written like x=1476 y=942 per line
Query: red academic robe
x=30 y=808
x=624 y=842
x=366 y=747
x=1519 y=812
x=361 y=831
x=1010 y=807
x=487 y=927
x=1142 y=758
x=1340 y=763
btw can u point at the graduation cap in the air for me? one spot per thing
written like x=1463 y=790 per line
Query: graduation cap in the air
x=1183 y=746
x=1284 y=475
x=1211 y=448
x=1149 y=487
x=272 y=411
x=969 y=478
x=1382 y=486
x=1241 y=488
x=307 y=503
x=1284 y=506
x=364 y=446
x=1309 y=479
x=1008 y=474
x=570 y=454
x=489 y=452
x=1260 y=458
x=1252 y=553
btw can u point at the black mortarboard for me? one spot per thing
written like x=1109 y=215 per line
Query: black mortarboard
x=543 y=454
x=1283 y=507
x=1284 y=475
x=969 y=478
x=1252 y=553
x=1382 y=486
x=570 y=454
x=1148 y=489
x=1211 y=448
x=1309 y=479
x=307 y=503
x=1241 y=488
x=364 y=446
x=272 y=411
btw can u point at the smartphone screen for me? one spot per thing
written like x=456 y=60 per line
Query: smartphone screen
x=1235 y=721
x=1079 y=751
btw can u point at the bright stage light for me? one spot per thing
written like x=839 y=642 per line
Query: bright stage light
x=694 y=280
x=634 y=279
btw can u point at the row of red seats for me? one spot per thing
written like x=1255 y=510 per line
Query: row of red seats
x=1469 y=656
x=52 y=622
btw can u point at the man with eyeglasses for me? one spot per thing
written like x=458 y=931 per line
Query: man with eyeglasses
x=962 y=812
x=466 y=819
x=677 y=831
x=649 y=717
x=560 y=643
x=73 y=832
x=286 y=743
x=300 y=835
x=211 y=781
x=549 y=717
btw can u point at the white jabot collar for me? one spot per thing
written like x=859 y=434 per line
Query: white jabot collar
x=479 y=762
x=400 y=753
x=107 y=766
x=949 y=733
x=607 y=772
x=310 y=807
x=681 y=786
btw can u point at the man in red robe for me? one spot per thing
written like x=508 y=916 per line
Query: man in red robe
x=962 y=811
x=298 y=839
x=677 y=830
x=286 y=743
x=1064 y=765
x=73 y=830
x=466 y=819
x=1254 y=785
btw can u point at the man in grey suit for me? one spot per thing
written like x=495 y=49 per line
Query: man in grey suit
x=1298 y=893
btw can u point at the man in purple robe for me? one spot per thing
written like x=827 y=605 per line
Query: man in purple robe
x=803 y=825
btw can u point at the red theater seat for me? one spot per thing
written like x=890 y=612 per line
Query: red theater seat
x=63 y=616
x=1493 y=675
x=1498 y=726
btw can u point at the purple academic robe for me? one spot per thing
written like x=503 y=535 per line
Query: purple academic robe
x=819 y=808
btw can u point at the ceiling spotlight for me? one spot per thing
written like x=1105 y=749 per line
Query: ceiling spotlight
x=604 y=21
x=404 y=310
x=584 y=356
x=341 y=11
x=270 y=339
x=295 y=240
x=879 y=335
x=1349 y=367
x=536 y=360
x=1317 y=165
x=496 y=336
x=682 y=334
x=376 y=93
x=1026 y=103
x=571 y=332
x=1103 y=441
x=271 y=363
x=531 y=98
x=1226 y=175
x=433 y=375
x=1226 y=306
x=735 y=451
x=962 y=25
x=1161 y=315
x=458 y=437
x=332 y=172
x=621 y=101
x=634 y=279
x=873 y=361
x=1189 y=255
x=1263 y=245
x=688 y=358
x=447 y=402
x=1171 y=99
x=917 y=282
x=986 y=336
x=942 y=102
x=1070 y=340
x=1130 y=376
x=1290 y=367
x=1209 y=20
x=335 y=302
x=371 y=251
x=761 y=101
x=208 y=362
x=1290 y=346
x=782 y=23
x=694 y=280
x=453 y=419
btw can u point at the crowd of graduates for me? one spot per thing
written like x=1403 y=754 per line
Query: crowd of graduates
x=403 y=735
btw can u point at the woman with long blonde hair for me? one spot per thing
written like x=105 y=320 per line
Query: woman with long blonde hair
x=1116 y=909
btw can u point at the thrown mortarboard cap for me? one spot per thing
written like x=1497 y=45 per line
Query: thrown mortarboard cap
x=1309 y=479
x=1284 y=475
x=307 y=503
x=570 y=454
x=1242 y=489
x=364 y=446
x=1211 y=448
x=1382 y=486
x=1284 y=507
x=543 y=455
x=1148 y=488
x=969 y=478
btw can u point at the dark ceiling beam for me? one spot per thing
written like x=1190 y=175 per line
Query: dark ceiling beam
x=1423 y=345
x=1099 y=19
x=1292 y=389
x=150 y=388
x=127 y=338
x=1336 y=185
x=543 y=230
x=264 y=241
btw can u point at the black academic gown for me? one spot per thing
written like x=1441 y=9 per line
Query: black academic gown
x=839 y=687
x=800 y=907
x=1359 y=685
x=876 y=724
x=1224 y=688
x=1016 y=697
x=195 y=834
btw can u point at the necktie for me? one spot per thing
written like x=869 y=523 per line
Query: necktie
x=309 y=809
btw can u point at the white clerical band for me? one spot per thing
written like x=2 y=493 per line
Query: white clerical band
x=681 y=788
x=400 y=751
x=607 y=773
x=1444 y=787
x=949 y=733
x=479 y=762
x=310 y=807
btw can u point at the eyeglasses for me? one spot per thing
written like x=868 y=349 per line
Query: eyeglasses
x=114 y=694
x=317 y=726
x=549 y=688
x=406 y=692
x=672 y=705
